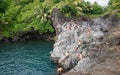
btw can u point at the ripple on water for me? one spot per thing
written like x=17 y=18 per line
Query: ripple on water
x=29 y=58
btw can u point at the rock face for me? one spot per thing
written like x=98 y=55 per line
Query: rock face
x=67 y=48
x=90 y=49
x=57 y=19
x=28 y=35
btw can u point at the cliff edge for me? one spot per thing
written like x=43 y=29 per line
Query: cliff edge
x=88 y=48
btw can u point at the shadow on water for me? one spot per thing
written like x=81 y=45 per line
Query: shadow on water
x=26 y=58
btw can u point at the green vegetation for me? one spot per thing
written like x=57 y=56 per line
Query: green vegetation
x=25 y=15
x=113 y=7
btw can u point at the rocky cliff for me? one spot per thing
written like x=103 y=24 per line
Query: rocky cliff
x=82 y=45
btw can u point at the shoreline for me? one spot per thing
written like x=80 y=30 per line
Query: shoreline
x=24 y=37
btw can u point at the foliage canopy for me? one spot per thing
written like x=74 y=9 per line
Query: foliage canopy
x=24 y=15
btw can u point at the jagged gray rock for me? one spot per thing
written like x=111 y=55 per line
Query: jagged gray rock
x=91 y=48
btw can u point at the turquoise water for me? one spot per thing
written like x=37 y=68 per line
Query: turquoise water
x=26 y=58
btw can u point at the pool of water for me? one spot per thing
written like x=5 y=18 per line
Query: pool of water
x=26 y=58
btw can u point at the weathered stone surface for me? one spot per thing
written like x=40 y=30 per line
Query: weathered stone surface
x=68 y=41
x=57 y=19
x=92 y=49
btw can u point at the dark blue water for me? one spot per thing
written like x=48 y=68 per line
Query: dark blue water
x=26 y=58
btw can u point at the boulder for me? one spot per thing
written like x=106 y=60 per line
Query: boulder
x=90 y=49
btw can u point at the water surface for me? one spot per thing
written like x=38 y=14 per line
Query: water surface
x=26 y=58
